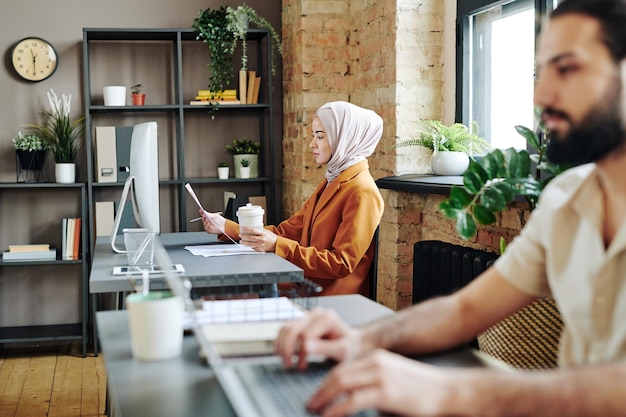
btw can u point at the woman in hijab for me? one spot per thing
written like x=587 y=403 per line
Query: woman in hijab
x=330 y=238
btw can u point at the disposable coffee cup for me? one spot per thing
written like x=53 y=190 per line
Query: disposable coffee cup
x=250 y=216
x=114 y=95
x=156 y=325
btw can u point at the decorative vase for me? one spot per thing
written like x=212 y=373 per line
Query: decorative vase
x=254 y=164
x=138 y=99
x=245 y=172
x=65 y=172
x=449 y=163
x=31 y=159
x=222 y=172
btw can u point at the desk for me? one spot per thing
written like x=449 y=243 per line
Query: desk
x=186 y=387
x=268 y=268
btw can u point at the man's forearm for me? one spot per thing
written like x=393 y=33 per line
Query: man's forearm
x=588 y=391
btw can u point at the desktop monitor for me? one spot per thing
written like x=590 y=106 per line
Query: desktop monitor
x=143 y=181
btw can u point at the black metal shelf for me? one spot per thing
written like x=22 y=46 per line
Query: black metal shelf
x=51 y=332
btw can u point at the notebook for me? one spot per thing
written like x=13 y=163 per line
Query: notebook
x=254 y=386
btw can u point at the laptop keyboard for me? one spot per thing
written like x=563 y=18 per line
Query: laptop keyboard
x=290 y=389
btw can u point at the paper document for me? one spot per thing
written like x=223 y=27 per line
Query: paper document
x=246 y=311
x=222 y=250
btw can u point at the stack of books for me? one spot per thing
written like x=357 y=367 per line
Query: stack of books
x=70 y=230
x=33 y=252
x=206 y=97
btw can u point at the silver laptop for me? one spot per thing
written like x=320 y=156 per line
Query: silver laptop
x=255 y=386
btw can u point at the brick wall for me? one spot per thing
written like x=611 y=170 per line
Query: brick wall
x=387 y=56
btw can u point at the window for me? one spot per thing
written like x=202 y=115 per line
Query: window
x=495 y=65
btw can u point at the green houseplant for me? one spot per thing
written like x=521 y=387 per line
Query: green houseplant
x=222 y=29
x=452 y=145
x=30 y=152
x=243 y=148
x=61 y=133
x=138 y=98
x=493 y=182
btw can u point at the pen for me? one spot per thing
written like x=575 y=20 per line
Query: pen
x=200 y=218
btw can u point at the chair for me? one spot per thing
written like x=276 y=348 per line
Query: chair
x=372 y=276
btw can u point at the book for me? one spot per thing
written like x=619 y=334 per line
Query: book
x=35 y=247
x=257 y=88
x=250 y=86
x=242 y=86
x=208 y=102
x=50 y=254
x=76 y=241
x=69 y=241
x=225 y=93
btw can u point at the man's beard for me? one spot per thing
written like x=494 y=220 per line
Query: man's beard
x=598 y=134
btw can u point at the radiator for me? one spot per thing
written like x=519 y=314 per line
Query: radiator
x=441 y=268
x=528 y=339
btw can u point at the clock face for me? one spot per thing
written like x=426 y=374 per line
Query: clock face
x=34 y=59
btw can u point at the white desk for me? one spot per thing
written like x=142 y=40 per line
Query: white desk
x=204 y=272
x=185 y=386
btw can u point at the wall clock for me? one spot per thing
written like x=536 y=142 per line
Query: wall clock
x=34 y=59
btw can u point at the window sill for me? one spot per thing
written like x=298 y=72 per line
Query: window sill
x=420 y=184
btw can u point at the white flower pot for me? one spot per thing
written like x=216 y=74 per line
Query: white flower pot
x=65 y=173
x=222 y=172
x=114 y=95
x=449 y=163
x=254 y=164
x=244 y=172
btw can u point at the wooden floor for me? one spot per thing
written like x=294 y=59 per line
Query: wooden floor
x=53 y=381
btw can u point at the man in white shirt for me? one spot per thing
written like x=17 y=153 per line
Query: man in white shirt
x=572 y=249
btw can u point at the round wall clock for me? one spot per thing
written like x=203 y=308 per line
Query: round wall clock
x=34 y=59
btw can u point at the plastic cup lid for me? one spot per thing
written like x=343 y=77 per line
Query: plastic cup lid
x=250 y=210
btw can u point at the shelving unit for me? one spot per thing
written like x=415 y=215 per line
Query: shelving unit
x=191 y=139
x=44 y=271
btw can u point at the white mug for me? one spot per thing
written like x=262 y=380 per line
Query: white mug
x=156 y=325
x=250 y=216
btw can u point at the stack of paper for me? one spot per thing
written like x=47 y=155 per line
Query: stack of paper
x=33 y=252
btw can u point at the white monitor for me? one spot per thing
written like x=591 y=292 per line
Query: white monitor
x=143 y=181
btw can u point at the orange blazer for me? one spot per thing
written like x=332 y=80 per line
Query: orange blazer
x=330 y=238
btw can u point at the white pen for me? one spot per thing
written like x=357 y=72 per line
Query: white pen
x=195 y=220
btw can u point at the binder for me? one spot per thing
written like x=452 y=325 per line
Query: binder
x=105 y=217
x=105 y=154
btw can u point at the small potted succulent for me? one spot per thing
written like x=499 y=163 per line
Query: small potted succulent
x=223 y=170
x=244 y=148
x=138 y=98
x=245 y=168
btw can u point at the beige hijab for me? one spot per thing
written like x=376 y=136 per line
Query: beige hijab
x=353 y=133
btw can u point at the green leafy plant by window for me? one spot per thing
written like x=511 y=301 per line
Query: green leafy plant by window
x=437 y=136
x=493 y=182
x=244 y=146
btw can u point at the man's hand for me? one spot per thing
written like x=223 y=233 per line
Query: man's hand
x=384 y=381
x=261 y=240
x=321 y=332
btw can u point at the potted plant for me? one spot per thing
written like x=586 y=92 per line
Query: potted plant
x=61 y=134
x=491 y=184
x=245 y=168
x=223 y=170
x=244 y=148
x=451 y=145
x=30 y=153
x=138 y=98
x=222 y=29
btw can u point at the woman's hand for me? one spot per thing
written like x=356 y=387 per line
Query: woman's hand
x=261 y=240
x=212 y=222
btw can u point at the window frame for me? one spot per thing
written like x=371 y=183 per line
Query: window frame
x=465 y=9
